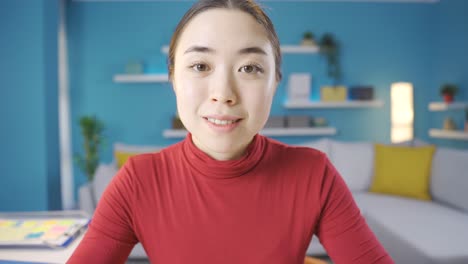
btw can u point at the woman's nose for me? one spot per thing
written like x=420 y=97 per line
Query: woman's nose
x=224 y=90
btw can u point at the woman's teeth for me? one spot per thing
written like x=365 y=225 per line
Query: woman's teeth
x=221 y=122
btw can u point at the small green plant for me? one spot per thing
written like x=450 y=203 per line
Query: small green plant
x=91 y=130
x=330 y=49
x=308 y=35
x=448 y=89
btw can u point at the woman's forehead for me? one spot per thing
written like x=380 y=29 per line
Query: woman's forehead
x=219 y=29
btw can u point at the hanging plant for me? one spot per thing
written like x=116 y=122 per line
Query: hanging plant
x=330 y=49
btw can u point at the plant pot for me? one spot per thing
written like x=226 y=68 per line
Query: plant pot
x=308 y=42
x=448 y=98
x=86 y=199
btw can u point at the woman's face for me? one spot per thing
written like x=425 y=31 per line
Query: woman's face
x=224 y=80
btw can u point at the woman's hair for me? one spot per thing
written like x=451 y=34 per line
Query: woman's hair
x=248 y=6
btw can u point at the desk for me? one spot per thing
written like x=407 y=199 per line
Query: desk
x=55 y=256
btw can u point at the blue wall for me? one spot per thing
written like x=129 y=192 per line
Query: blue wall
x=381 y=43
x=29 y=152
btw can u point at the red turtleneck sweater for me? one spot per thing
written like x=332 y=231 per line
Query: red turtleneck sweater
x=185 y=207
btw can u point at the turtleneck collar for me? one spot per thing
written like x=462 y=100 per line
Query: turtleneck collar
x=212 y=168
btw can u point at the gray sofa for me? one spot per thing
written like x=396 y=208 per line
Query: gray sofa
x=413 y=231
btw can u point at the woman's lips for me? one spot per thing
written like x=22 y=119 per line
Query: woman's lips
x=223 y=128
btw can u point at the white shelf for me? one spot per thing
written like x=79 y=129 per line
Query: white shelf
x=174 y=133
x=343 y=104
x=297 y=49
x=307 y=131
x=440 y=133
x=442 y=106
x=141 y=78
x=303 y=131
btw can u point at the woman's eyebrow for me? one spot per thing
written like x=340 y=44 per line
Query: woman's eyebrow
x=199 y=49
x=256 y=50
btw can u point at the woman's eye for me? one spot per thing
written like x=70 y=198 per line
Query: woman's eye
x=251 y=69
x=199 y=67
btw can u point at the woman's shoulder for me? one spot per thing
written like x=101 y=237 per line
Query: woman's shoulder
x=145 y=159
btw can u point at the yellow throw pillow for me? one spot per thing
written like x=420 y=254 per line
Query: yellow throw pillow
x=124 y=151
x=403 y=171
x=122 y=157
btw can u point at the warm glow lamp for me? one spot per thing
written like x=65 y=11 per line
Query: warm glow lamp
x=402 y=112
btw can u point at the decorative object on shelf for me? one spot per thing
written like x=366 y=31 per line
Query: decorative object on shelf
x=299 y=87
x=449 y=124
x=177 y=123
x=297 y=121
x=361 y=93
x=308 y=39
x=466 y=119
x=320 y=122
x=333 y=93
x=448 y=92
x=135 y=67
x=91 y=130
x=330 y=49
x=275 y=122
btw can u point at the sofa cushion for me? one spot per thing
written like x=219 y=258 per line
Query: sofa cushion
x=430 y=230
x=449 y=180
x=102 y=178
x=321 y=144
x=315 y=248
x=355 y=162
x=124 y=151
x=402 y=171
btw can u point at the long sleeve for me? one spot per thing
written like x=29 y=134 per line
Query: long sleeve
x=342 y=229
x=110 y=236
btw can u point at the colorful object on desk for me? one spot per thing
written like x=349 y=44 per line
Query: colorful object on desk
x=19 y=262
x=39 y=232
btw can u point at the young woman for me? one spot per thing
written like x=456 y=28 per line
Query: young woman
x=227 y=194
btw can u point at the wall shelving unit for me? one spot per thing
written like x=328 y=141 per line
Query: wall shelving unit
x=285 y=49
x=448 y=134
x=312 y=131
x=441 y=106
x=141 y=78
x=344 y=104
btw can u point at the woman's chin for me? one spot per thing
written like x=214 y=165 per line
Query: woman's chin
x=221 y=148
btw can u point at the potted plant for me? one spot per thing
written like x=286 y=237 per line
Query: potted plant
x=91 y=131
x=448 y=92
x=308 y=39
x=329 y=48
